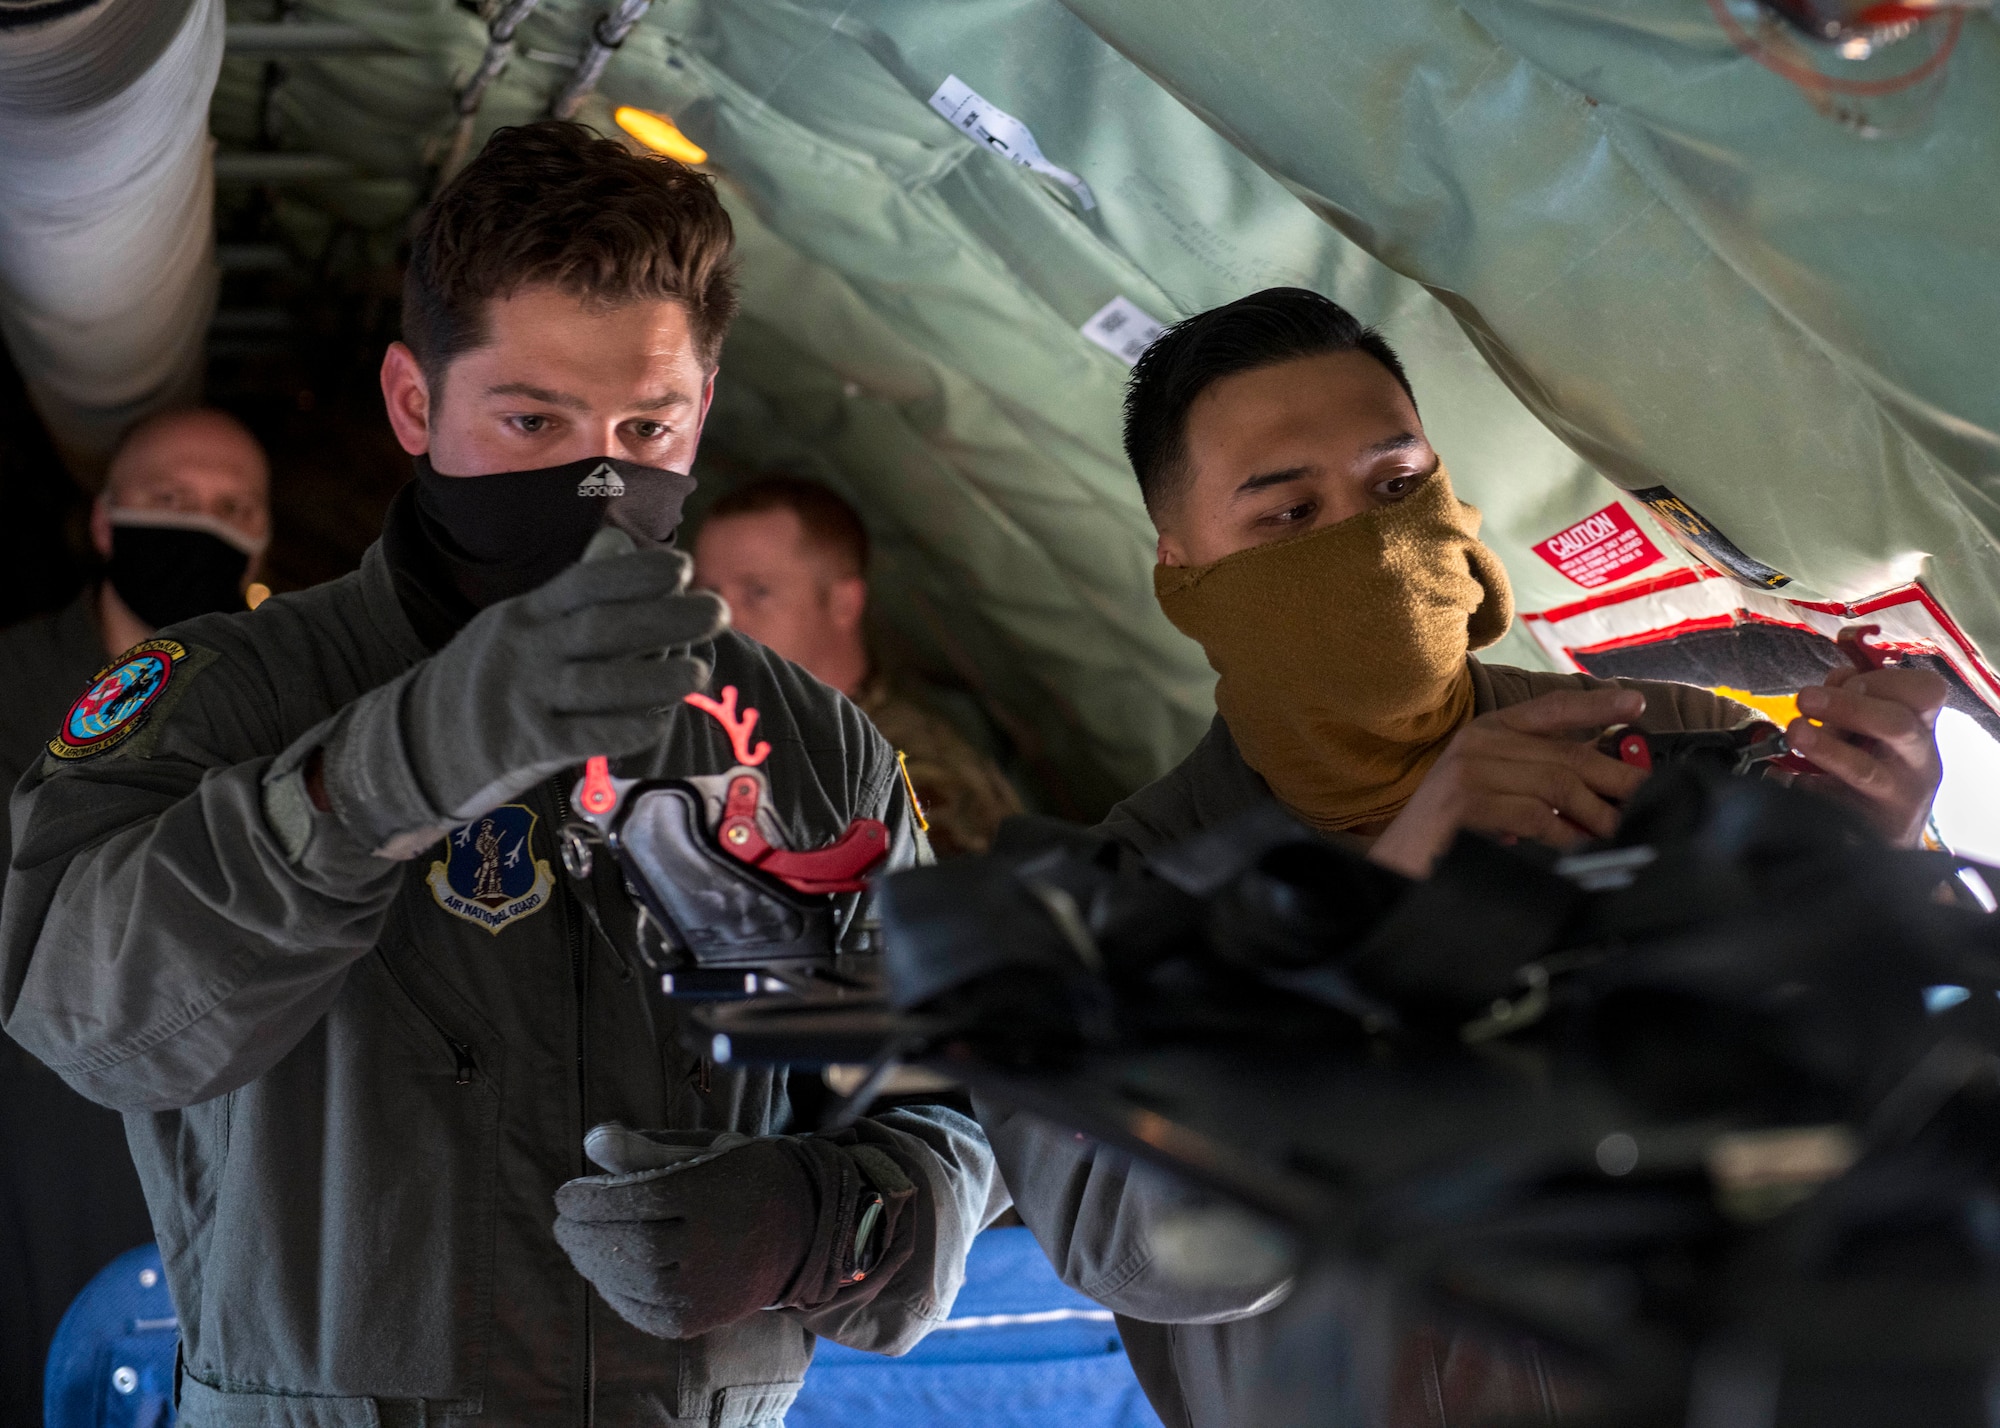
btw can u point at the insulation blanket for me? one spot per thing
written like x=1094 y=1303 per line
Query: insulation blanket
x=1604 y=240
x=107 y=199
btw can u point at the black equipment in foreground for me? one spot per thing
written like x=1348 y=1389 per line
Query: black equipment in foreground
x=1757 y=748
x=725 y=910
x=1710 y=1113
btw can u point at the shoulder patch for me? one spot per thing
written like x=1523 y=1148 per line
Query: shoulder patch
x=120 y=699
x=491 y=876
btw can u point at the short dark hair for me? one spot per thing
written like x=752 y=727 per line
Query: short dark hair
x=1275 y=325
x=830 y=524
x=551 y=202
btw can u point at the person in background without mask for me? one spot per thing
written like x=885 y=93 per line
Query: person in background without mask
x=791 y=558
x=183 y=515
x=290 y=900
x=1310 y=540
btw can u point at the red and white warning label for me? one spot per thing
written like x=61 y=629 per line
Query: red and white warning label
x=1599 y=549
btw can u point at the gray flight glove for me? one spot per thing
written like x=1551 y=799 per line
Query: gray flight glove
x=584 y=665
x=693 y=1230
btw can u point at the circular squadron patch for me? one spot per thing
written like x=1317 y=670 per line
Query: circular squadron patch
x=492 y=876
x=116 y=705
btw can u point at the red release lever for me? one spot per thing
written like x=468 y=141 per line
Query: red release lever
x=598 y=796
x=841 y=866
x=1853 y=642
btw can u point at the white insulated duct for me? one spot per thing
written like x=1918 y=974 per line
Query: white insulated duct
x=107 y=210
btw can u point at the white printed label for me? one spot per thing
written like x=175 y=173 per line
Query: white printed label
x=1123 y=328
x=1003 y=133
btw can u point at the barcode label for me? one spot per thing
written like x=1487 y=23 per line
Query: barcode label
x=1005 y=135
x=1123 y=328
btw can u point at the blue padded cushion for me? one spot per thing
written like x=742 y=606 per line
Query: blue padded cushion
x=111 y=1364
x=1020 y=1350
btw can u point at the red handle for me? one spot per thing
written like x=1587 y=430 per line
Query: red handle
x=841 y=866
x=598 y=796
x=1853 y=642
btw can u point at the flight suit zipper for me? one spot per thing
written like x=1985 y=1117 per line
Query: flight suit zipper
x=579 y=987
x=464 y=1066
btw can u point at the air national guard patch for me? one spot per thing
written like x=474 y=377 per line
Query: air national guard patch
x=492 y=876
x=118 y=701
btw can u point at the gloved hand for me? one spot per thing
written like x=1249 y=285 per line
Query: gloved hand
x=532 y=685
x=714 y=1228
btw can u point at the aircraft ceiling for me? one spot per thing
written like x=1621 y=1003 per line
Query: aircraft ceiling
x=1608 y=243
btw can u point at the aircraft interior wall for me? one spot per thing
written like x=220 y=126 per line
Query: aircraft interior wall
x=1607 y=244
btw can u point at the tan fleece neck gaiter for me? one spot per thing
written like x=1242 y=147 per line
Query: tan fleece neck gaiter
x=1342 y=652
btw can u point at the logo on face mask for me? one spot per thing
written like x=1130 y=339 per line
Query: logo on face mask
x=492 y=876
x=601 y=482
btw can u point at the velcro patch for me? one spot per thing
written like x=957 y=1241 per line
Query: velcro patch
x=120 y=699
x=491 y=876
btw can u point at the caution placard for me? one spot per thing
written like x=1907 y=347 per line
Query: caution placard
x=1600 y=548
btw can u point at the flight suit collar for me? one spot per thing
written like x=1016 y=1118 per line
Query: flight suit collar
x=431 y=606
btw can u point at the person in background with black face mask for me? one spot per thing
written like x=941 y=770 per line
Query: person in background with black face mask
x=180 y=524
x=287 y=891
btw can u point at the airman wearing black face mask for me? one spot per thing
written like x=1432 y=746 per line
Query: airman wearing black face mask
x=179 y=527
x=421 y=1146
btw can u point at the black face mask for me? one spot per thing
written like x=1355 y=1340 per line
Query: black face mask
x=167 y=569
x=503 y=535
